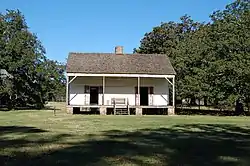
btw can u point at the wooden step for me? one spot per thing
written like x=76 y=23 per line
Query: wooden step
x=120 y=111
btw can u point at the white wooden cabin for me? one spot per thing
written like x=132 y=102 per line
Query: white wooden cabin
x=119 y=81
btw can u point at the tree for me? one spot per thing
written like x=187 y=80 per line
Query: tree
x=23 y=57
x=165 y=39
x=228 y=71
x=211 y=60
x=56 y=80
x=190 y=65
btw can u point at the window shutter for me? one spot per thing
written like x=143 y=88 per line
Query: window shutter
x=151 y=90
x=100 y=89
x=136 y=90
x=86 y=89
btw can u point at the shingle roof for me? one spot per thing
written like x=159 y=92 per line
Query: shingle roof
x=108 y=63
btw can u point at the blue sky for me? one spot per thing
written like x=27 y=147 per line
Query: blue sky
x=65 y=26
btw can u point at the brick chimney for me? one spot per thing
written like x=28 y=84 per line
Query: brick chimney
x=119 y=50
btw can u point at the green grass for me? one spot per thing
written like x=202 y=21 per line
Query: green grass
x=39 y=138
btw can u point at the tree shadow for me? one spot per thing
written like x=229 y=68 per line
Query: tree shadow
x=184 y=145
x=211 y=112
x=19 y=129
x=18 y=138
x=4 y=109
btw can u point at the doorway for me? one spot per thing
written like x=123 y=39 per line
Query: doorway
x=144 y=96
x=94 y=95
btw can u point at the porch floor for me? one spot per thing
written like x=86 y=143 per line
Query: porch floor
x=120 y=106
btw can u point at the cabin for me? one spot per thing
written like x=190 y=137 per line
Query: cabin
x=119 y=83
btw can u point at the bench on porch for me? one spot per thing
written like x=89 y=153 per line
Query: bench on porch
x=120 y=104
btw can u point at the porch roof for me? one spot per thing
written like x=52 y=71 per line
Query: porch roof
x=108 y=63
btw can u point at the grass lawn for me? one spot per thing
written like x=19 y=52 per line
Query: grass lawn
x=39 y=138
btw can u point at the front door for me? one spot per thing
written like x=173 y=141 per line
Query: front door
x=144 y=96
x=94 y=93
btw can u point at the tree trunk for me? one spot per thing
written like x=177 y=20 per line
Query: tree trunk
x=181 y=104
x=205 y=101
x=239 y=109
x=199 y=104
x=10 y=105
x=248 y=104
x=193 y=103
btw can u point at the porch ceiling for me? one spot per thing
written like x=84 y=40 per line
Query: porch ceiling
x=120 y=75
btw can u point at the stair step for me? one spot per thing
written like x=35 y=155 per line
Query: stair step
x=120 y=111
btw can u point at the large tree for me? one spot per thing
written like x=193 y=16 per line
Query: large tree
x=22 y=55
x=228 y=70
x=212 y=60
x=165 y=39
x=190 y=65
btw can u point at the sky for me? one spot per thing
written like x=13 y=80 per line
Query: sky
x=65 y=26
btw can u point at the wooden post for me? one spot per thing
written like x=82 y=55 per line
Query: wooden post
x=103 y=89
x=54 y=110
x=128 y=106
x=67 y=90
x=138 y=95
x=173 y=91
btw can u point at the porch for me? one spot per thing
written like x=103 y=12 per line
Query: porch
x=132 y=110
x=119 y=92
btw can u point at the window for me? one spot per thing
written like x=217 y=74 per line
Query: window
x=86 y=89
x=151 y=90
x=100 y=89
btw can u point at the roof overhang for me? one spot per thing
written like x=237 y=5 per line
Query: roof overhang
x=120 y=75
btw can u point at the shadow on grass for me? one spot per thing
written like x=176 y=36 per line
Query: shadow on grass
x=4 y=109
x=189 y=145
x=19 y=129
x=212 y=112
x=17 y=138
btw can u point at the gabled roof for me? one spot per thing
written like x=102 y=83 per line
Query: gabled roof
x=109 y=63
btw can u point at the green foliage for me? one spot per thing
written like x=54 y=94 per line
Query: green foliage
x=167 y=39
x=229 y=67
x=22 y=55
x=211 y=60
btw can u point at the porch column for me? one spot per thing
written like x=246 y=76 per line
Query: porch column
x=138 y=110
x=69 y=109
x=173 y=91
x=67 y=90
x=171 y=109
x=103 y=89
x=103 y=109
x=138 y=90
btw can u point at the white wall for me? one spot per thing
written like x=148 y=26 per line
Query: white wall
x=119 y=88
